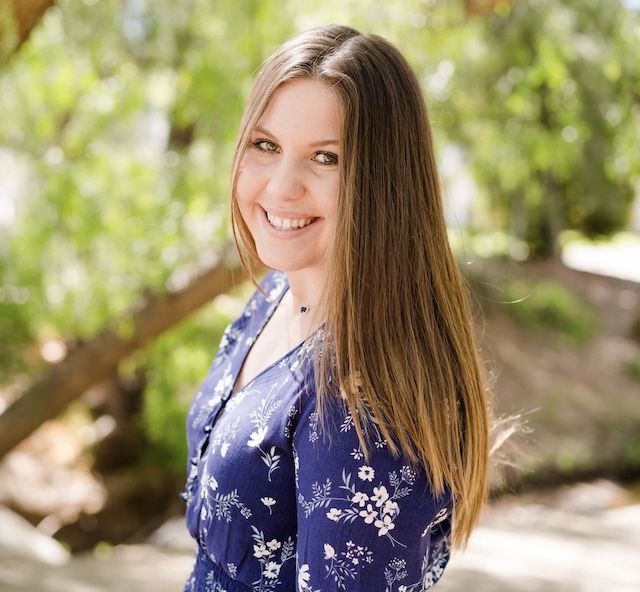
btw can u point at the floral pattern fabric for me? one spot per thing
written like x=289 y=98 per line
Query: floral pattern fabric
x=277 y=503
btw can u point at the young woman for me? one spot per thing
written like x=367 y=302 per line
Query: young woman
x=342 y=428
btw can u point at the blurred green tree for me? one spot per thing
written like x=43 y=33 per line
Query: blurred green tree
x=119 y=121
x=545 y=101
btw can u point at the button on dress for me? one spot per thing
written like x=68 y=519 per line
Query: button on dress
x=277 y=503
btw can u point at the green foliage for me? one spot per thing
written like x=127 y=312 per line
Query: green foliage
x=632 y=452
x=572 y=457
x=545 y=101
x=118 y=121
x=549 y=305
x=177 y=364
x=97 y=118
x=632 y=367
x=9 y=37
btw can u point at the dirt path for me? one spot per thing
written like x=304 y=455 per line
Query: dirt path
x=574 y=542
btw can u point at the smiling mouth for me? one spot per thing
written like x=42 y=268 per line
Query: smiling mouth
x=289 y=223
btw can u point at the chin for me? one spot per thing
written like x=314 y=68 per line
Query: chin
x=288 y=264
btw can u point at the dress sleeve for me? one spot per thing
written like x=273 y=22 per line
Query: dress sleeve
x=364 y=524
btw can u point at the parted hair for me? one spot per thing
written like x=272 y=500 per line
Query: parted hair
x=398 y=338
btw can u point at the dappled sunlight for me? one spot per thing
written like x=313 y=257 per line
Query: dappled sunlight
x=618 y=258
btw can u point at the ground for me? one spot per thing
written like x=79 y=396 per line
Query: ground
x=583 y=538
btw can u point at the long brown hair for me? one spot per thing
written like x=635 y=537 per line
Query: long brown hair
x=398 y=331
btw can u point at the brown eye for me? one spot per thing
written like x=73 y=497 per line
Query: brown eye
x=326 y=158
x=265 y=146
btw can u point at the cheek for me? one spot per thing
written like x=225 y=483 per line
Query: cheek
x=250 y=182
x=331 y=206
x=244 y=188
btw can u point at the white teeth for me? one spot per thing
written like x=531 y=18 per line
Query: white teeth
x=288 y=223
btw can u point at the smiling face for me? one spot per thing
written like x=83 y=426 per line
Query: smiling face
x=288 y=180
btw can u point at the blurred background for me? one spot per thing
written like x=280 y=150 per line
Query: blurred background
x=117 y=124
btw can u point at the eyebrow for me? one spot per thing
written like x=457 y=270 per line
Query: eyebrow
x=262 y=130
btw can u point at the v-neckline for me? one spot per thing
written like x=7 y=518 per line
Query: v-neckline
x=232 y=391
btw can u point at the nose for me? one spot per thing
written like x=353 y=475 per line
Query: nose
x=286 y=180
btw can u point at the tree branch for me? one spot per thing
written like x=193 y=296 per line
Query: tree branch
x=96 y=359
x=17 y=19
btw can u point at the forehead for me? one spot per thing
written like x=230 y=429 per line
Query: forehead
x=303 y=105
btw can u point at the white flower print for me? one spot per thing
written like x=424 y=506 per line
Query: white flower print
x=303 y=577
x=346 y=564
x=219 y=504
x=224 y=435
x=224 y=383
x=347 y=424
x=372 y=430
x=391 y=508
x=380 y=495
x=212 y=584
x=385 y=525
x=291 y=415
x=440 y=517
x=269 y=502
x=355 y=505
x=230 y=335
x=272 y=555
x=260 y=551
x=340 y=493
x=434 y=563
x=271 y=459
x=369 y=514
x=256 y=437
x=360 y=498
x=268 y=406
x=271 y=570
x=313 y=427
x=395 y=572
x=260 y=418
x=334 y=514
x=366 y=473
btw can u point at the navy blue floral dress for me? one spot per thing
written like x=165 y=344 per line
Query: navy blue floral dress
x=277 y=504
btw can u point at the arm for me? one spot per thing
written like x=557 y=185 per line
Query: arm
x=370 y=525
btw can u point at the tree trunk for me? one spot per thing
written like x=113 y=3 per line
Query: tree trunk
x=95 y=360
x=17 y=19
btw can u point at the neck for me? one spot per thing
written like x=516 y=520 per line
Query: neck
x=305 y=290
x=305 y=287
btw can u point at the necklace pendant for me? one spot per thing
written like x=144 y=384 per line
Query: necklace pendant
x=304 y=310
